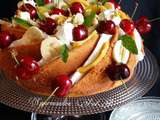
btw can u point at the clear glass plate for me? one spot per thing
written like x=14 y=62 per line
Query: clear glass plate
x=147 y=108
x=143 y=79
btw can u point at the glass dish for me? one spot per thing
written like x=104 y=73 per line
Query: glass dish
x=147 y=108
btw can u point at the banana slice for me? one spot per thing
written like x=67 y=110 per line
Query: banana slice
x=32 y=35
x=50 y=48
x=120 y=53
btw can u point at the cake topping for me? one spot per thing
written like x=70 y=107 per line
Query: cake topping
x=30 y=65
x=48 y=25
x=118 y=72
x=57 y=11
x=139 y=44
x=50 y=49
x=78 y=19
x=107 y=27
x=64 y=84
x=76 y=7
x=65 y=33
x=129 y=43
x=120 y=53
x=30 y=9
x=21 y=22
x=143 y=25
x=24 y=15
x=127 y=26
x=32 y=2
x=26 y=68
x=48 y=1
x=116 y=5
x=80 y=32
x=5 y=39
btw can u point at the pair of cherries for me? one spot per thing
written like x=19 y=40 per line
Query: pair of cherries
x=118 y=72
x=143 y=25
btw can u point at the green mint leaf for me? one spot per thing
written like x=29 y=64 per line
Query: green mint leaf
x=129 y=43
x=40 y=2
x=64 y=53
x=22 y=22
x=89 y=19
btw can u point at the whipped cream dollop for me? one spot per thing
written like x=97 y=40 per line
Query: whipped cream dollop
x=78 y=19
x=24 y=15
x=110 y=14
x=139 y=44
x=64 y=33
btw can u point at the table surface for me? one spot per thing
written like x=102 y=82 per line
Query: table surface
x=147 y=8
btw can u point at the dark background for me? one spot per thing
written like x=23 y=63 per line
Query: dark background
x=149 y=8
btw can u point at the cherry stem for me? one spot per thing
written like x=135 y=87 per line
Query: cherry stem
x=155 y=19
x=49 y=97
x=14 y=54
x=134 y=12
x=123 y=83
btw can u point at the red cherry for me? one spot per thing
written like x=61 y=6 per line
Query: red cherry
x=30 y=65
x=48 y=25
x=64 y=84
x=143 y=25
x=116 y=5
x=80 y=32
x=127 y=26
x=107 y=27
x=22 y=73
x=29 y=8
x=5 y=39
x=48 y=1
x=118 y=72
x=57 y=11
x=76 y=7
